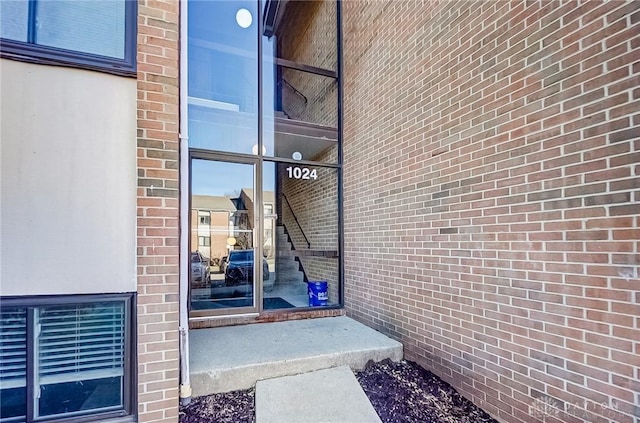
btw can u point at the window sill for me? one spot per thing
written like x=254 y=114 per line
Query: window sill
x=53 y=57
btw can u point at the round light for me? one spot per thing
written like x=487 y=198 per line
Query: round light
x=254 y=149
x=296 y=155
x=244 y=18
x=231 y=241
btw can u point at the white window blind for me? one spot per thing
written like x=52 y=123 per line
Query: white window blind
x=80 y=342
x=96 y=27
x=13 y=348
x=13 y=18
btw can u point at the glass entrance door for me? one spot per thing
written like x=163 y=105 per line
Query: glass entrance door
x=222 y=238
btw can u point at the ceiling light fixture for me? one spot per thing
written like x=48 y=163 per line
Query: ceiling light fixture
x=244 y=18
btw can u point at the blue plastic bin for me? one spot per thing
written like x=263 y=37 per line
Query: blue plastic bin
x=318 y=294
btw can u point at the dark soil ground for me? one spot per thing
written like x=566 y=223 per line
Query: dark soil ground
x=232 y=407
x=400 y=392
x=406 y=393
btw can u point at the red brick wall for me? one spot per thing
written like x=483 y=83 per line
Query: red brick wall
x=158 y=237
x=491 y=156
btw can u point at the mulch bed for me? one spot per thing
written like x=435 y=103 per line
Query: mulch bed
x=231 y=407
x=400 y=393
x=405 y=393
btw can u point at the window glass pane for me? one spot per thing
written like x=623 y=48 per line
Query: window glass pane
x=80 y=358
x=223 y=76
x=307 y=33
x=13 y=363
x=303 y=241
x=96 y=26
x=300 y=115
x=13 y=19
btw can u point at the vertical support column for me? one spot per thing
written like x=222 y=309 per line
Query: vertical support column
x=158 y=210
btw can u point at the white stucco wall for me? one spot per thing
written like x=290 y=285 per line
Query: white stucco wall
x=68 y=181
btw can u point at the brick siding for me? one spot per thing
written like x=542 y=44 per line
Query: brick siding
x=492 y=197
x=158 y=236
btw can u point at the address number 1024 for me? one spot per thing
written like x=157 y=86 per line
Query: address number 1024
x=295 y=172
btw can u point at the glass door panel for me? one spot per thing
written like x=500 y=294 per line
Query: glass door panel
x=222 y=277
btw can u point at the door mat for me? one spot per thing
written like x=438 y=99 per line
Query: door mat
x=269 y=304
x=214 y=304
x=276 y=302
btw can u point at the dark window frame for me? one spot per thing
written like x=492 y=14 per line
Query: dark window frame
x=128 y=413
x=45 y=55
x=266 y=25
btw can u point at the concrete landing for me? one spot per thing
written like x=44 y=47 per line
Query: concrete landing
x=235 y=357
x=330 y=395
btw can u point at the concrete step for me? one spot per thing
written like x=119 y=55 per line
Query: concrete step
x=285 y=249
x=286 y=259
x=288 y=267
x=290 y=262
x=285 y=271
x=236 y=357
x=285 y=252
x=330 y=395
x=289 y=280
x=282 y=238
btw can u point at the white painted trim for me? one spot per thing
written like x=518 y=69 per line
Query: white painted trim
x=185 y=378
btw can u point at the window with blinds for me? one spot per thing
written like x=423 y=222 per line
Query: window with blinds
x=80 y=357
x=13 y=363
x=81 y=360
x=97 y=34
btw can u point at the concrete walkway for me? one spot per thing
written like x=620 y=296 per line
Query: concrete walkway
x=236 y=357
x=331 y=396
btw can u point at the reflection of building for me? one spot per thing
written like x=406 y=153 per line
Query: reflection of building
x=486 y=161
x=216 y=219
x=268 y=199
x=213 y=220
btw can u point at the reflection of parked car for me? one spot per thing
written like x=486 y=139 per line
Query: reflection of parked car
x=238 y=268
x=199 y=267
